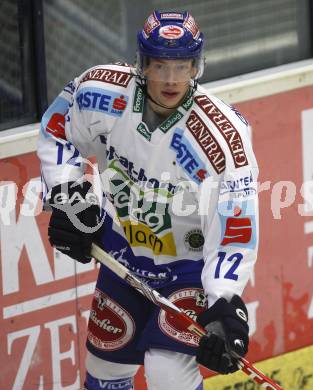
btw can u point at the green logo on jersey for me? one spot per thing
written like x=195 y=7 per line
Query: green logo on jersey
x=174 y=118
x=188 y=101
x=143 y=130
x=143 y=213
x=177 y=115
x=138 y=100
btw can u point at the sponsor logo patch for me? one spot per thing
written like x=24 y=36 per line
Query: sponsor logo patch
x=237 y=230
x=238 y=225
x=171 y=15
x=116 y=384
x=56 y=126
x=238 y=188
x=141 y=235
x=207 y=141
x=143 y=214
x=226 y=128
x=187 y=158
x=171 y=32
x=138 y=100
x=119 y=104
x=188 y=103
x=151 y=23
x=101 y=100
x=109 y=76
x=192 y=301
x=144 y=131
x=194 y=240
x=191 y=25
x=171 y=121
x=110 y=326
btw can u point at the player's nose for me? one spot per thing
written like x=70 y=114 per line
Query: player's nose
x=170 y=76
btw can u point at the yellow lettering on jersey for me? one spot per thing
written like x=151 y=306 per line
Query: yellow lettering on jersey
x=141 y=235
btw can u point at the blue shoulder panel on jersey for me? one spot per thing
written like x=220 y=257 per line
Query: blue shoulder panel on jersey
x=102 y=100
x=187 y=157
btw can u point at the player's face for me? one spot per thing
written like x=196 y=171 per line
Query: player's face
x=168 y=80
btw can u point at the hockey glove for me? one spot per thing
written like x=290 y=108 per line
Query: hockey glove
x=227 y=329
x=74 y=223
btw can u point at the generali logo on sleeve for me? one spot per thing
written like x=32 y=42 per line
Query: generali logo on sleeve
x=226 y=128
x=110 y=76
x=207 y=141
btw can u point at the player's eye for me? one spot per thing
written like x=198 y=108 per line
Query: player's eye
x=182 y=68
x=158 y=66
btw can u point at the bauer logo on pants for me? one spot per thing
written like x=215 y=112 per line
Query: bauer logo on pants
x=110 y=326
x=190 y=300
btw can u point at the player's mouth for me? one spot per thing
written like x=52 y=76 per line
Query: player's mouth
x=170 y=94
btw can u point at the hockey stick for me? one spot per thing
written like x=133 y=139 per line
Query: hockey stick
x=176 y=312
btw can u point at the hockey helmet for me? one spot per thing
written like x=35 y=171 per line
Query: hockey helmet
x=170 y=35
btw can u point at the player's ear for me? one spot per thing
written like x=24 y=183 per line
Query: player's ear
x=194 y=72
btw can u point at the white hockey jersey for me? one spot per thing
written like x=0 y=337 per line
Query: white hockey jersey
x=180 y=199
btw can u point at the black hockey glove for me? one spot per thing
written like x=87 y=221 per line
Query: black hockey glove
x=75 y=220
x=227 y=329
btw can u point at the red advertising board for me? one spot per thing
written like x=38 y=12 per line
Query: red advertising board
x=283 y=288
x=45 y=298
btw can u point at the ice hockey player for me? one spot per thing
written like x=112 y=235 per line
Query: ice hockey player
x=179 y=208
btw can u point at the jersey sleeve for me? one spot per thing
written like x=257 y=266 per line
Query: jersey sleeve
x=228 y=202
x=230 y=228
x=69 y=132
x=61 y=160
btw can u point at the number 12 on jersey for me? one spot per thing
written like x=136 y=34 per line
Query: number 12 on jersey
x=234 y=261
x=60 y=152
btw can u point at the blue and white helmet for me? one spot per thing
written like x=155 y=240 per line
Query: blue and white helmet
x=170 y=35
